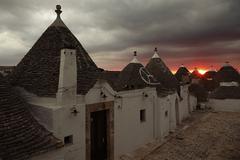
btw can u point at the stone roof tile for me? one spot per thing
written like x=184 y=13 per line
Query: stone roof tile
x=162 y=73
x=38 y=71
x=21 y=136
x=228 y=74
x=182 y=71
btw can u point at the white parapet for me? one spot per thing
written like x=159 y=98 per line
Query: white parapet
x=229 y=84
x=67 y=87
x=226 y=105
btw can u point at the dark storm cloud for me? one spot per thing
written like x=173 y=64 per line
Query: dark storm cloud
x=112 y=29
x=177 y=23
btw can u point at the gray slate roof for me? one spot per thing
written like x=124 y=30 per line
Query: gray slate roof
x=228 y=74
x=195 y=74
x=182 y=71
x=129 y=78
x=224 y=92
x=162 y=73
x=111 y=77
x=209 y=80
x=38 y=71
x=21 y=136
x=210 y=74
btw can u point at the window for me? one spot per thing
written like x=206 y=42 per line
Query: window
x=142 y=115
x=166 y=113
x=68 y=139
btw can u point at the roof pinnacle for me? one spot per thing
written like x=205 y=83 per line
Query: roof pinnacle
x=135 y=53
x=135 y=60
x=58 y=10
x=227 y=63
x=155 y=53
x=58 y=22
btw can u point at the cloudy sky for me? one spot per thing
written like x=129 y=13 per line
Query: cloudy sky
x=196 y=33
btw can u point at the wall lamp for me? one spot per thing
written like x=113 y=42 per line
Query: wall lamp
x=103 y=95
x=74 y=111
x=145 y=94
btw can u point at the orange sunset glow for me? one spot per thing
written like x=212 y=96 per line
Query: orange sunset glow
x=201 y=71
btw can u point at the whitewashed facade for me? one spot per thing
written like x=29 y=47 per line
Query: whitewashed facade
x=66 y=115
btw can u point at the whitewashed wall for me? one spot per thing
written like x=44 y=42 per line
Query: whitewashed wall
x=229 y=105
x=184 y=110
x=63 y=124
x=60 y=121
x=192 y=102
x=163 y=119
x=130 y=132
x=94 y=95
x=173 y=122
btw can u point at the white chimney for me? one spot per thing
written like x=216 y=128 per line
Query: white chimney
x=67 y=86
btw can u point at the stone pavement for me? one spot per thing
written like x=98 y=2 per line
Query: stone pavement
x=204 y=136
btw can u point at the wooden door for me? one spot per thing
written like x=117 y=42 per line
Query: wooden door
x=99 y=135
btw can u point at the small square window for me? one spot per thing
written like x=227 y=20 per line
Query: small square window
x=142 y=115
x=68 y=139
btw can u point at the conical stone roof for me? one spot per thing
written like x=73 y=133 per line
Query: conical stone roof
x=111 y=77
x=161 y=72
x=38 y=71
x=182 y=71
x=195 y=74
x=210 y=75
x=228 y=74
x=21 y=136
x=129 y=78
x=209 y=80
